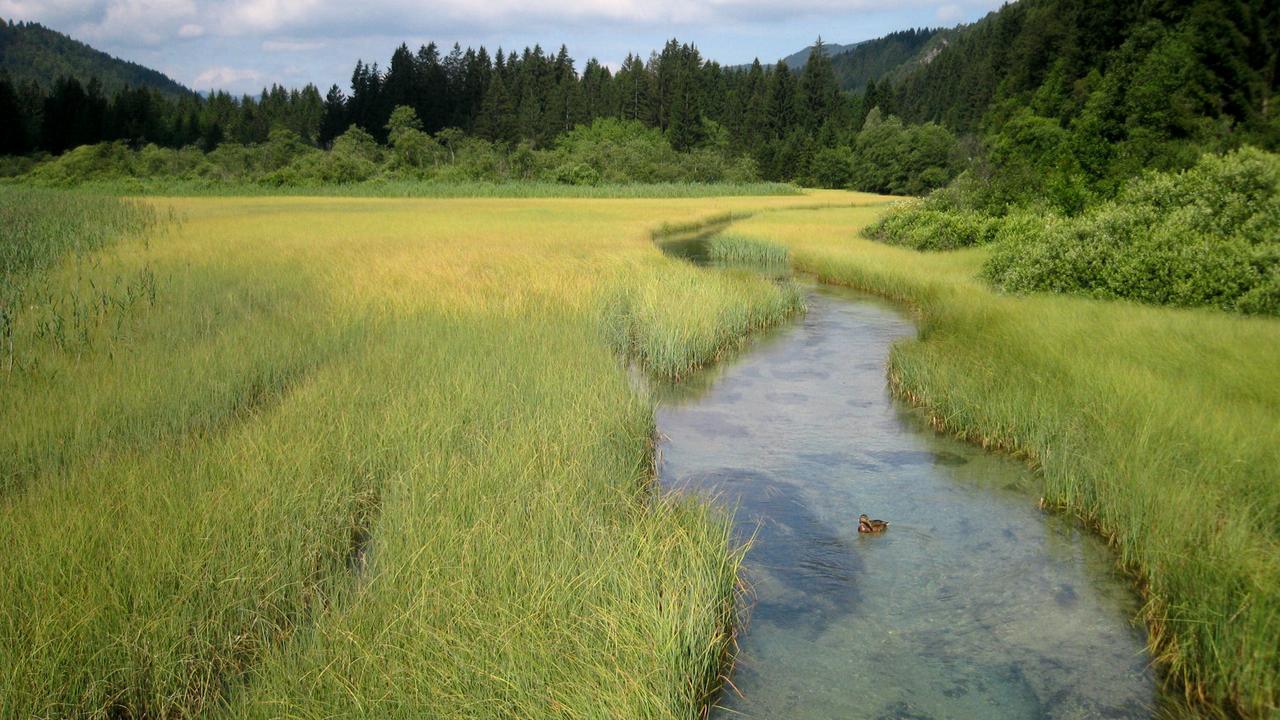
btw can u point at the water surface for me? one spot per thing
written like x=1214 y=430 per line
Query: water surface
x=974 y=604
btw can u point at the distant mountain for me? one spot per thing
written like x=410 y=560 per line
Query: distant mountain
x=31 y=51
x=796 y=60
x=889 y=56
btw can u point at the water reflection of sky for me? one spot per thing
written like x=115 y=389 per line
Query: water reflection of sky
x=974 y=604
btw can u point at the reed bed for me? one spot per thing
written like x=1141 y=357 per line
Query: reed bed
x=738 y=249
x=390 y=188
x=369 y=457
x=1159 y=427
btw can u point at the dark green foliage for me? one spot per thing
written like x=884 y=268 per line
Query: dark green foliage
x=888 y=56
x=32 y=52
x=1130 y=86
x=889 y=157
x=925 y=228
x=1208 y=236
x=609 y=151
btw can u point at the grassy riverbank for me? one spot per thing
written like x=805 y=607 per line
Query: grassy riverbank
x=1161 y=427
x=362 y=457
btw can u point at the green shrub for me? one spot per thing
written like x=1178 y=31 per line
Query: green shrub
x=1208 y=236
x=919 y=226
x=607 y=152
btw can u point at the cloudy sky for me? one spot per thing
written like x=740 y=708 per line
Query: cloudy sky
x=242 y=45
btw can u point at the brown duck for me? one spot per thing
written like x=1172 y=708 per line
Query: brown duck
x=867 y=525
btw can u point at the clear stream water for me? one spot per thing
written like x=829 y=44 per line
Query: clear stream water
x=974 y=603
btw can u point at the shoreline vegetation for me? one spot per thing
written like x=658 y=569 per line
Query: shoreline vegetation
x=1158 y=427
x=409 y=189
x=251 y=483
x=1133 y=428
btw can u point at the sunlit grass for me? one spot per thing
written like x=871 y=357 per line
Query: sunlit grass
x=730 y=248
x=168 y=187
x=1161 y=427
x=369 y=457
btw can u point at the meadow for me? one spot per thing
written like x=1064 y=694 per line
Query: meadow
x=375 y=457
x=1159 y=427
x=359 y=457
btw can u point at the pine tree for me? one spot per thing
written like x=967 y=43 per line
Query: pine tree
x=335 y=119
x=819 y=94
x=497 y=119
x=13 y=134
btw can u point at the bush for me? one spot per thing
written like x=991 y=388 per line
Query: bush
x=607 y=152
x=1208 y=236
x=890 y=157
x=918 y=225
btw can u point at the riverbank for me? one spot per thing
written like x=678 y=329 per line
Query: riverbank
x=358 y=457
x=1160 y=427
x=974 y=604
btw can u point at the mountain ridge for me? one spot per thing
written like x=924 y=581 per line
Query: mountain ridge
x=30 y=51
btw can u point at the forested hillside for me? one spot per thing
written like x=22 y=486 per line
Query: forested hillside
x=796 y=60
x=1056 y=101
x=1145 y=84
x=877 y=59
x=31 y=52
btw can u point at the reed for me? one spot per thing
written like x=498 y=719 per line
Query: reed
x=369 y=457
x=1160 y=427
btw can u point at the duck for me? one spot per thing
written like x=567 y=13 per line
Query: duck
x=867 y=525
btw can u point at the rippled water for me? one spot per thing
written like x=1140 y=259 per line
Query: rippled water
x=974 y=604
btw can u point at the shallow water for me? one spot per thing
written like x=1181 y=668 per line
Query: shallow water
x=974 y=603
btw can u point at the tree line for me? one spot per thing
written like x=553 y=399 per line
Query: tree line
x=795 y=125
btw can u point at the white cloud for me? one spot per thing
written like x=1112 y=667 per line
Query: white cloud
x=267 y=15
x=949 y=14
x=190 y=30
x=290 y=45
x=146 y=22
x=223 y=77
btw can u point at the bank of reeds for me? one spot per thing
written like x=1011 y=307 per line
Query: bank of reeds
x=737 y=249
x=1159 y=427
x=369 y=458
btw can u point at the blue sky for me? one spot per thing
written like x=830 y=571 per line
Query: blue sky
x=243 y=45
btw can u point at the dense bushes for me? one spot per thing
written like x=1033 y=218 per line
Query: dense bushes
x=890 y=157
x=885 y=156
x=608 y=151
x=1208 y=236
x=923 y=226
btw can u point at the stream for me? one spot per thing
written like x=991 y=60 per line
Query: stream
x=973 y=604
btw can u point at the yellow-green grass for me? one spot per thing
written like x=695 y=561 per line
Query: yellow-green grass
x=1159 y=426
x=730 y=248
x=368 y=457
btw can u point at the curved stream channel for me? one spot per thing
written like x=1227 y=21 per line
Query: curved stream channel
x=974 y=603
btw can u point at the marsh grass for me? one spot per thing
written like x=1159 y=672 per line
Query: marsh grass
x=430 y=189
x=370 y=457
x=39 y=229
x=1159 y=427
x=730 y=248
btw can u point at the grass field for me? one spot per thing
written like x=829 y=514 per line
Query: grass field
x=1160 y=427
x=359 y=457
x=167 y=187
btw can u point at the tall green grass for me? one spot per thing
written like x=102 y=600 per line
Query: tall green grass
x=1160 y=427
x=730 y=248
x=653 y=323
x=368 y=458
x=431 y=189
x=40 y=228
